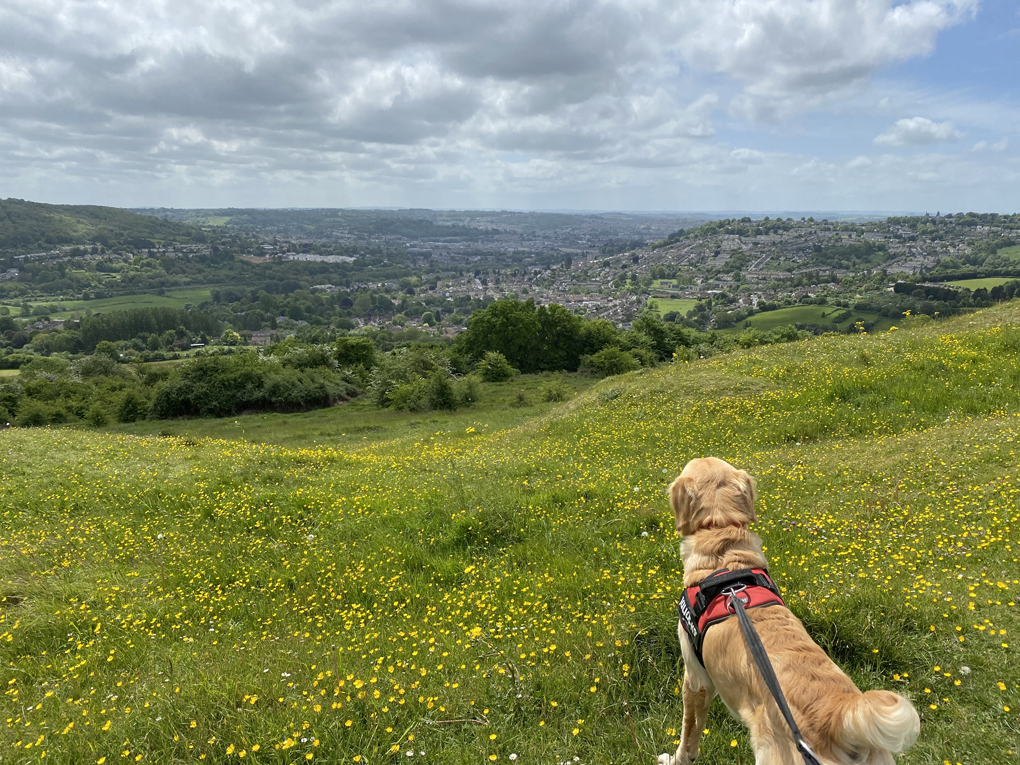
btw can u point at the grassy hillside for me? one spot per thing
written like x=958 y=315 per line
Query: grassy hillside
x=175 y=299
x=30 y=226
x=987 y=283
x=814 y=315
x=473 y=594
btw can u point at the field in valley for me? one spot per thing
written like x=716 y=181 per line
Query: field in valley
x=665 y=305
x=827 y=317
x=499 y=584
x=988 y=283
x=173 y=299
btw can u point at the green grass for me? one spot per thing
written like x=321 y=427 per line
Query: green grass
x=816 y=315
x=1013 y=253
x=669 y=284
x=681 y=306
x=175 y=299
x=511 y=589
x=988 y=283
x=358 y=422
x=9 y=372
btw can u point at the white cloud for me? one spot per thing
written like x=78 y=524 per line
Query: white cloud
x=997 y=146
x=792 y=55
x=750 y=156
x=918 y=131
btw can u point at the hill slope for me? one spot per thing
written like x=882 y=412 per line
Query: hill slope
x=468 y=596
x=32 y=226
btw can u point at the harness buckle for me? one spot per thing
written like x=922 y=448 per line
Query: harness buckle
x=735 y=590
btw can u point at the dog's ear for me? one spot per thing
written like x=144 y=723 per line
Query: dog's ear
x=681 y=497
x=748 y=493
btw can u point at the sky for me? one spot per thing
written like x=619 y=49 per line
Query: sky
x=638 y=105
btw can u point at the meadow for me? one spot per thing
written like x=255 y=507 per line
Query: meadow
x=986 y=283
x=816 y=315
x=175 y=299
x=1013 y=253
x=499 y=585
x=665 y=305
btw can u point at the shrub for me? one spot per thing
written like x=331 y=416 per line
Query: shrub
x=495 y=368
x=354 y=351
x=132 y=407
x=96 y=416
x=468 y=390
x=520 y=400
x=556 y=390
x=609 y=361
x=425 y=394
x=644 y=356
x=410 y=396
x=33 y=414
x=97 y=365
x=218 y=386
x=40 y=368
x=15 y=360
x=401 y=367
x=440 y=392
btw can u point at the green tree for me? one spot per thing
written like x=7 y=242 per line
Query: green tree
x=354 y=350
x=507 y=326
x=230 y=337
x=363 y=304
x=559 y=344
x=598 y=334
x=108 y=349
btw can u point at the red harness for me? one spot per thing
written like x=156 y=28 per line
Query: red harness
x=707 y=602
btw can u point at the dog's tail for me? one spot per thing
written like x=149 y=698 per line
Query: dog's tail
x=879 y=720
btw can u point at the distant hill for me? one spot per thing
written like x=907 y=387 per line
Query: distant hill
x=34 y=226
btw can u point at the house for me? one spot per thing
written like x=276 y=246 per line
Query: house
x=47 y=326
x=262 y=337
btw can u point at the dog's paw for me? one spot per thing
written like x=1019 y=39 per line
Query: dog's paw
x=665 y=759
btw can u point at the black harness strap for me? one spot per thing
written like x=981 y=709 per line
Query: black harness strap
x=718 y=583
x=769 y=676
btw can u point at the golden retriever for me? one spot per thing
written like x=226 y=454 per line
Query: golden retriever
x=714 y=503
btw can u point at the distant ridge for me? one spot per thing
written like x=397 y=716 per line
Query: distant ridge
x=27 y=227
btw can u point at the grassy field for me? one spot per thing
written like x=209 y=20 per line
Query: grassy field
x=175 y=299
x=9 y=372
x=1013 y=253
x=448 y=592
x=358 y=422
x=987 y=283
x=665 y=305
x=817 y=315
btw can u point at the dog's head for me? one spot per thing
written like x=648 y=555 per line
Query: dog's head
x=711 y=493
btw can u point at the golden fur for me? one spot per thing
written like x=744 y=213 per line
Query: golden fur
x=714 y=503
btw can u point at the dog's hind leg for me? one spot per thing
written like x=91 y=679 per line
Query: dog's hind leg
x=697 y=698
x=772 y=742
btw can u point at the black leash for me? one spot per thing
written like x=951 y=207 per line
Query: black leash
x=769 y=676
